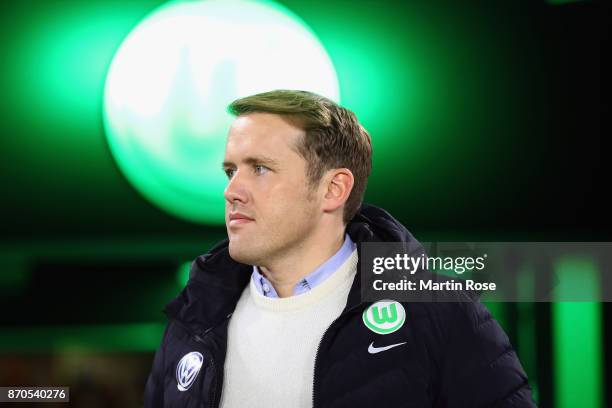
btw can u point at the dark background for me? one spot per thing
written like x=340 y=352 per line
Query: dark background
x=488 y=120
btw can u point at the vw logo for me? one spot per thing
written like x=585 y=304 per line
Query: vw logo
x=187 y=370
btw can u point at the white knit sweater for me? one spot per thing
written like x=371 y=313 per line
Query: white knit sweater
x=272 y=342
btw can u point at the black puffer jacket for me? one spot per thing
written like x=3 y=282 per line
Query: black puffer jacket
x=455 y=354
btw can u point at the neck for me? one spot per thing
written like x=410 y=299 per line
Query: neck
x=286 y=272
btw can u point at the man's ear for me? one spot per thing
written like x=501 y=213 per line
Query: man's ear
x=339 y=185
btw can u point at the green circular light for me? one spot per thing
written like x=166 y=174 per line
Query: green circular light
x=171 y=80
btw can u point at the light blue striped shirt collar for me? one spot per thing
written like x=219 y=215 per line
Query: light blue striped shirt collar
x=311 y=280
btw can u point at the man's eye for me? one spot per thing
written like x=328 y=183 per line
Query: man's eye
x=229 y=173
x=259 y=169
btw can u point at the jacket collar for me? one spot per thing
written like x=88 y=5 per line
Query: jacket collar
x=216 y=281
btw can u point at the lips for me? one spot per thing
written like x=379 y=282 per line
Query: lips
x=239 y=219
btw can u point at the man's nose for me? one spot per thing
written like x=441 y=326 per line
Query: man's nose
x=236 y=189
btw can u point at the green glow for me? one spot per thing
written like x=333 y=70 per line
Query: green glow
x=577 y=337
x=526 y=334
x=498 y=310
x=124 y=248
x=182 y=274
x=171 y=80
x=61 y=57
x=526 y=347
x=127 y=337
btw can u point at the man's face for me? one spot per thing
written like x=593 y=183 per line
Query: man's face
x=270 y=208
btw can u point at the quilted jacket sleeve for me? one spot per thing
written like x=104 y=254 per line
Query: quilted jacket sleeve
x=154 y=389
x=481 y=368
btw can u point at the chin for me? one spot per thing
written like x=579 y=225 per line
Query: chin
x=239 y=253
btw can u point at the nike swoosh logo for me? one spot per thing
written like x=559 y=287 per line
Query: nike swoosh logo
x=374 y=350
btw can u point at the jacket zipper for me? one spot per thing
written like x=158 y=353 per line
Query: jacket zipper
x=314 y=376
x=200 y=339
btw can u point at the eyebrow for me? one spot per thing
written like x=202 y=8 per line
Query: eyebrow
x=253 y=160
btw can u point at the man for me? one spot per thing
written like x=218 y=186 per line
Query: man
x=273 y=317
